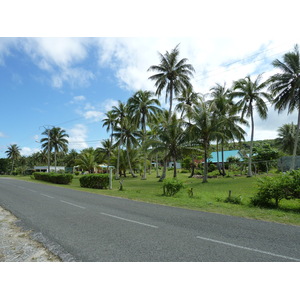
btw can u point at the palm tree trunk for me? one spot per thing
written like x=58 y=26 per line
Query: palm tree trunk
x=157 y=175
x=175 y=168
x=145 y=155
x=223 y=163
x=163 y=175
x=296 y=142
x=118 y=164
x=55 y=161
x=251 y=144
x=205 y=164
x=171 y=100
x=129 y=163
x=12 y=166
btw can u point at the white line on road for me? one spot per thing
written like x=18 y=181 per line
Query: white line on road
x=72 y=204
x=132 y=221
x=30 y=190
x=249 y=249
x=47 y=196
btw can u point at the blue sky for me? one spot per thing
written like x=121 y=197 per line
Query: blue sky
x=73 y=82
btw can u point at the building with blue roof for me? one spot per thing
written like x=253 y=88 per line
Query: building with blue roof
x=230 y=153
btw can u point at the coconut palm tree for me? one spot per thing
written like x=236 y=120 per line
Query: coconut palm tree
x=286 y=138
x=204 y=128
x=87 y=160
x=13 y=153
x=127 y=134
x=285 y=87
x=58 y=141
x=186 y=100
x=144 y=109
x=119 y=112
x=252 y=97
x=225 y=113
x=109 y=122
x=172 y=74
x=172 y=141
x=106 y=150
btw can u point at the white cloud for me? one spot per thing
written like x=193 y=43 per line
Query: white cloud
x=2 y=135
x=26 y=151
x=109 y=103
x=77 y=137
x=93 y=115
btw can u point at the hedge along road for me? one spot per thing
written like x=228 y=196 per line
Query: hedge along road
x=81 y=226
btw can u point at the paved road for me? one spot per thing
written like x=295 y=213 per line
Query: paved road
x=88 y=227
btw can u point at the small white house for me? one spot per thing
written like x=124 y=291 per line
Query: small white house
x=45 y=168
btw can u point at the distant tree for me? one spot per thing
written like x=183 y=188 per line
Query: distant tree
x=13 y=153
x=58 y=141
x=285 y=87
x=252 y=97
x=4 y=162
x=172 y=74
x=286 y=138
x=87 y=160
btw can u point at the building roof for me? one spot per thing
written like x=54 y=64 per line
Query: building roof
x=235 y=153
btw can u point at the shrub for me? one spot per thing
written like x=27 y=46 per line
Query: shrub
x=94 y=181
x=53 y=177
x=233 y=199
x=285 y=186
x=172 y=186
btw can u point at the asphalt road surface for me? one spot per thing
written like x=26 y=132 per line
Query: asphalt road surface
x=81 y=226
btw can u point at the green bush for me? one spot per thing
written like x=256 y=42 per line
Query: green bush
x=53 y=177
x=285 y=186
x=172 y=186
x=94 y=181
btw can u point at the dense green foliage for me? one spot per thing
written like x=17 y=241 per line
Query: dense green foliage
x=94 y=181
x=270 y=189
x=53 y=177
x=172 y=186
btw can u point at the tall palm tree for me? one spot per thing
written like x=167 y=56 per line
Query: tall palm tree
x=106 y=150
x=144 y=109
x=58 y=141
x=119 y=112
x=109 y=122
x=204 y=128
x=252 y=95
x=225 y=113
x=13 y=153
x=127 y=134
x=285 y=87
x=286 y=138
x=172 y=74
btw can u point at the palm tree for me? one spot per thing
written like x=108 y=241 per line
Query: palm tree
x=57 y=139
x=109 y=122
x=172 y=141
x=285 y=87
x=144 y=109
x=252 y=94
x=106 y=150
x=119 y=113
x=225 y=113
x=172 y=74
x=286 y=138
x=204 y=129
x=127 y=135
x=187 y=99
x=87 y=160
x=13 y=153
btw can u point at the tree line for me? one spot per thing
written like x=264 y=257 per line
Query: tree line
x=140 y=130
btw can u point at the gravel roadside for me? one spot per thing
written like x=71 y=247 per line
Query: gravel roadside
x=16 y=244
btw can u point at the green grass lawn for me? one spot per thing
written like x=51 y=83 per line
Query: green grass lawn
x=207 y=197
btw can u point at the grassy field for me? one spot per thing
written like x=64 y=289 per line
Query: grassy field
x=207 y=197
